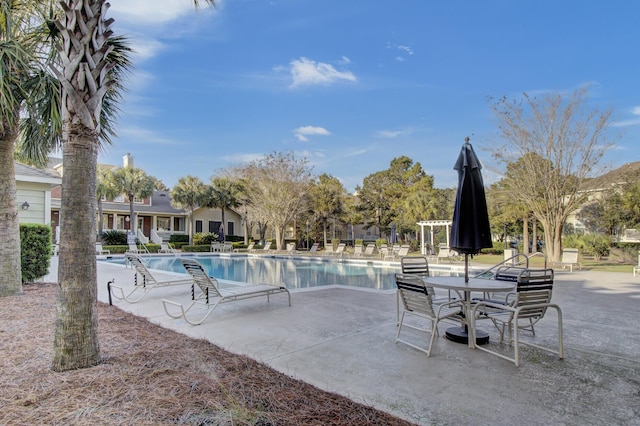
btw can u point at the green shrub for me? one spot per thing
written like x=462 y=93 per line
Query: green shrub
x=119 y=249
x=201 y=238
x=114 y=238
x=35 y=251
x=197 y=248
x=596 y=245
x=178 y=238
x=498 y=248
x=179 y=245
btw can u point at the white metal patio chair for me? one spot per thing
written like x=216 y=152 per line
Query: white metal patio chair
x=529 y=304
x=416 y=301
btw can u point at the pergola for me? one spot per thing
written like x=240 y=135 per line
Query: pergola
x=431 y=224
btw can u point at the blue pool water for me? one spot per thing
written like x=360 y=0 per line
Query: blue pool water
x=294 y=272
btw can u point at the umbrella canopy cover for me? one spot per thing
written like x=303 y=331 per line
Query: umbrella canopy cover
x=470 y=230
x=393 y=238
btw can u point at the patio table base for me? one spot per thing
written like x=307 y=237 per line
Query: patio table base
x=460 y=335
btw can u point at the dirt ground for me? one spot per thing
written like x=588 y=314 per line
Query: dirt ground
x=149 y=376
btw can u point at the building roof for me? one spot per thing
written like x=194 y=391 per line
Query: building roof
x=618 y=176
x=160 y=203
x=26 y=173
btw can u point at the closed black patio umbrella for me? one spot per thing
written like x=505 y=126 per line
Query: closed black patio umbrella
x=470 y=230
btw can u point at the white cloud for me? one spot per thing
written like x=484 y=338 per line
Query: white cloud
x=301 y=133
x=391 y=134
x=632 y=121
x=151 y=12
x=307 y=72
x=243 y=158
x=143 y=136
x=404 y=50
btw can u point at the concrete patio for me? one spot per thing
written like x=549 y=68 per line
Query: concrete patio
x=342 y=340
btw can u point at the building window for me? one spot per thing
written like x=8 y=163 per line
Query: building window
x=198 y=226
x=229 y=230
x=164 y=223
x=178 y=224
x=214 y=226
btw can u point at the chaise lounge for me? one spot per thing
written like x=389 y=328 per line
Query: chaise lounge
x=212 y=295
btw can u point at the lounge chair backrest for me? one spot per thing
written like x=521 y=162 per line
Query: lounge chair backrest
x=415 y=265
x=570 y=255
x=404 y=250
x=414 y=294
x=207 y=284
x=534 y=287
x=314 y=248
x=340 y=248
x=357 y=249
x=140 y=268
x=370 y=249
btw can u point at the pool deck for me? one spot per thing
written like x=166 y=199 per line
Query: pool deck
x=342 y=340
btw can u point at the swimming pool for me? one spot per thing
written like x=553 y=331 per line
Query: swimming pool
x=294 y=272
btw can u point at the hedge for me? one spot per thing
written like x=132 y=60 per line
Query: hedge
x=35 y=251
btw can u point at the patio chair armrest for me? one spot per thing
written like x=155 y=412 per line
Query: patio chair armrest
x=493 y=305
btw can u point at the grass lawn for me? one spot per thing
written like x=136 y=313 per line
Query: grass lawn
x=586 y=264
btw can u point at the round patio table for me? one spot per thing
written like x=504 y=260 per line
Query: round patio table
x=461 y=334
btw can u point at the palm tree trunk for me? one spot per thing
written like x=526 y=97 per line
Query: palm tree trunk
x=11 y=281
x=100 y=218
x=76 y=328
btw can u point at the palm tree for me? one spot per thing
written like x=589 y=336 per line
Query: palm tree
x=85 y=82
x=188 y=194
x=224 y=193
x=105 y=188
x=16 y=68
x=132 y=183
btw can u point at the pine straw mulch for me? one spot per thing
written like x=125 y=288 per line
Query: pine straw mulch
x=149 y=375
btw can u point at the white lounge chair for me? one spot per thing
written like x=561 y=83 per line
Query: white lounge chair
x=133 y=249
x=166 y=248
x=357 y=250
x=370 y=250
x=328 y=250
x=212 y=295
x=148 y=281
x=249 y=248
x=569 y=258
x=100 y=250
x=314 y=248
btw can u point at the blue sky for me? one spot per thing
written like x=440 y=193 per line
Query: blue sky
x=351 y=84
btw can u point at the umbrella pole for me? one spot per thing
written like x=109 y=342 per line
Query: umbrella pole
x=466 y=267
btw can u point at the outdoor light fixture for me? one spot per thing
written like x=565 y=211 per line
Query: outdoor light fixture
x=25 y=206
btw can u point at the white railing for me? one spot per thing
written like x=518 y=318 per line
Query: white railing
x=141 y=237
x=155 y=238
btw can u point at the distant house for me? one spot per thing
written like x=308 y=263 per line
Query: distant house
x=156 y=218
x=33 y=196
x=597 y=187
